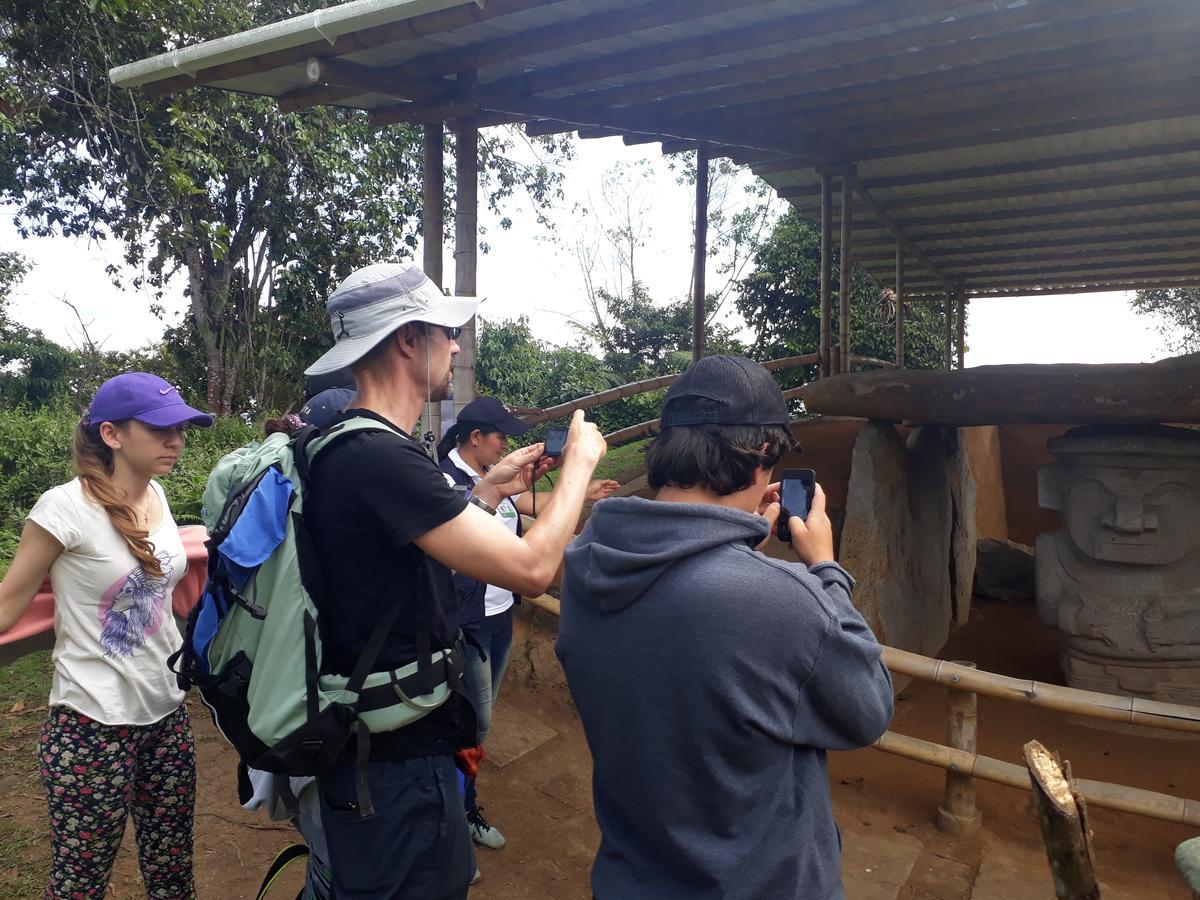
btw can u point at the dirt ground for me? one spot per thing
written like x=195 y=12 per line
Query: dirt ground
x=537 y=790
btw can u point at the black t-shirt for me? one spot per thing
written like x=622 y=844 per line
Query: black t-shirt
x=371 y=495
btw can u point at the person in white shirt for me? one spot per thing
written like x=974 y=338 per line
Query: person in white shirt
x=474 y=444
x=117 y=739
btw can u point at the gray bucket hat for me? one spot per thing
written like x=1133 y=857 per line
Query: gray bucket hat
x=374 y=301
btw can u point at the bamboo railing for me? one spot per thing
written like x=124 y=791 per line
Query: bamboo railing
x=1128 y=710
x=1150 y=804
x=653 y=384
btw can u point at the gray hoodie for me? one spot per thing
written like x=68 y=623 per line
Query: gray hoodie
x=711 y=679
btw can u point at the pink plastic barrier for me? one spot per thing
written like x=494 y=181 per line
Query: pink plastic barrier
x=39 y=618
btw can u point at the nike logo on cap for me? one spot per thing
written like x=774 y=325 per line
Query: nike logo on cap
x=165 y=391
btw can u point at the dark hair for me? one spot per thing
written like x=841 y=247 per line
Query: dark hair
x=721 y=458
x=291 y=425
x=459 y=433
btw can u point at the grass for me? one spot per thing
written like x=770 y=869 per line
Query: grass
x=622 y=463
x=24 y=848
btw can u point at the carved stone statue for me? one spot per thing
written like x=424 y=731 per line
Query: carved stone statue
x=1121 y=579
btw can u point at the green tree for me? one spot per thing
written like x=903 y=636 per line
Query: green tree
x=263 y=211
x=781 y=301
x=1177 y=316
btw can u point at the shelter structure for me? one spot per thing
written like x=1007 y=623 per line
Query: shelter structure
x=956 y=149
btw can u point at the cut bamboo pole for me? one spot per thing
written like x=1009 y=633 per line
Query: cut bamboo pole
x=634 y=388
x=1062 y=818
x=1130 y=710
x=957 y=815
x=1122 y=798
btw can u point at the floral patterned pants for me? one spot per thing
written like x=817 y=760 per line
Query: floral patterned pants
x=94 y=775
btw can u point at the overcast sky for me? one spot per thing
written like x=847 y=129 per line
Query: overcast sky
x=535 y=271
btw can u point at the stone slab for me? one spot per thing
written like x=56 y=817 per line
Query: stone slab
x=896 y=536
x=514 y=733
x=1166 y=391
x=877 y=866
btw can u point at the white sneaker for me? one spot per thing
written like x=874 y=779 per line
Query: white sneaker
x=483 y=834
x=476 y=876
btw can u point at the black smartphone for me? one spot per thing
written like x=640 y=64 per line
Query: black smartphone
x=556 y=439
x=795 y=496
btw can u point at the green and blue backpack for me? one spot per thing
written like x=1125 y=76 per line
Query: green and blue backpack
x=253 y=641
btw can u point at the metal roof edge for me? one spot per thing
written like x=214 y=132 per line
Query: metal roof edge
x=323 y=24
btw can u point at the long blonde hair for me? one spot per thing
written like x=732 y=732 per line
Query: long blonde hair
x=94 y=464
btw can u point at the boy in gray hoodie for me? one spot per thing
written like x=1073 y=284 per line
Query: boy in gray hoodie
x=710 y=678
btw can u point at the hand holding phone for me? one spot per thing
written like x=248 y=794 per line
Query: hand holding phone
x=795 y=497
x=556 y=440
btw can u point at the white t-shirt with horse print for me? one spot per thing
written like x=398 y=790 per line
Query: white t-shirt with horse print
x=113 y=624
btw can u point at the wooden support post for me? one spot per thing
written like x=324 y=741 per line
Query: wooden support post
x=1062 y=818
x=962 y=330
x=466 y=237
x=845 y=279
x=957 y=815
x=826 y=347
x=948 y=341
x=700 y=256
x=899 y=305
x=433 y=201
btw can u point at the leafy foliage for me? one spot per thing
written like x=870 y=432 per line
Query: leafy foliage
x=264 y=211
x=35 y=455
x=781 y=301
x=1177 y=311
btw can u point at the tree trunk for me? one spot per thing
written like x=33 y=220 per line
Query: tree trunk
x=1062 y=817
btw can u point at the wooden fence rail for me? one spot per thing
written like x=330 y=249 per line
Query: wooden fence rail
x=1129 y=710
x=634 y=388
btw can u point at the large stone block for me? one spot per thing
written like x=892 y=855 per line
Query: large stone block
x=901 y=533
x=1121 y=579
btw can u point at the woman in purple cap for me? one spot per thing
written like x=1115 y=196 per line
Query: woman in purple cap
x=117 y=738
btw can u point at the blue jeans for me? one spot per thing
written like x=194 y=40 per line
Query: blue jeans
x=494 y=635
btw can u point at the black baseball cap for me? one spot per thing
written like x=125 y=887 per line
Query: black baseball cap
x=724 y=390
x=490 y=412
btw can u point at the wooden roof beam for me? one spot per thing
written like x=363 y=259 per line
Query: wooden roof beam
x=1053 y=248
x=1026 y=229
x=1139 y=91
x=834 y=56
x=532 y=41
x=802 y=25
x=852 y=181
x=971 y=173
x=1011 y=85
x=1124 y=110
x=969 y=270
x=865 y=72
x=1056 y=209
x=354 y=42
x=573 y=117
x=1032 y=189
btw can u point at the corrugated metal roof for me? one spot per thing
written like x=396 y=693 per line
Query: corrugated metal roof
x=1024 y=145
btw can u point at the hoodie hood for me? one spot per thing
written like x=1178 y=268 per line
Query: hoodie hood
x=630 y=541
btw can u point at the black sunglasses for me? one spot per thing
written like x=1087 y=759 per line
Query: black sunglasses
x=452 y=333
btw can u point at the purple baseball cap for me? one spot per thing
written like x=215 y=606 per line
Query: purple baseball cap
x=145 y=397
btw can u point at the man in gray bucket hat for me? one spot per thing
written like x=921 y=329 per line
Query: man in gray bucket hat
x=387 y=529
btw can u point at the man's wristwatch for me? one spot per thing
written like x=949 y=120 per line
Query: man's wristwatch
x=482 y=504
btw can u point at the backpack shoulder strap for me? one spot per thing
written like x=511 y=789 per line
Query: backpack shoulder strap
x=311 y=441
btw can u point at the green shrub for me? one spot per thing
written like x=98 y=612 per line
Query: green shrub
x=35 y=455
